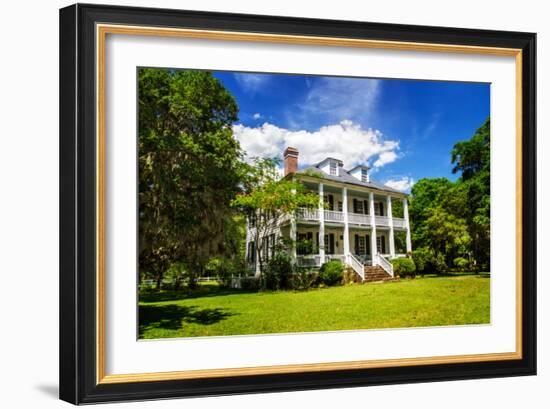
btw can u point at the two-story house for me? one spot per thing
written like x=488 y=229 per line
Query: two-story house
x=354 y=222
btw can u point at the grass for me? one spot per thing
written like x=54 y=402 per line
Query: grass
x=430 y=301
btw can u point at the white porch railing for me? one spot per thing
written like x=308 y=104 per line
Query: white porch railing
x=399 y=223
x=384 y=263
x=334 y=216
x=357 y=266
x=353 y=218
x=356 y=218
x=382 y=221
x=314 y=260
x=307 y=214
x=311 y=260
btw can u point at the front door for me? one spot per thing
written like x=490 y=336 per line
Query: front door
x=362 y=246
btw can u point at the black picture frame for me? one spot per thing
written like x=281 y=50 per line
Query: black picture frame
x=78 y=360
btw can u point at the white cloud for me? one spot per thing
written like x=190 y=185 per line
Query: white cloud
x=403 y=184
x=384 y=158
x=346 y=141
x=257 y=116
x=251 y=82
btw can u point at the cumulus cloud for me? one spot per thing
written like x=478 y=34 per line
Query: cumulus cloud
x=384 y=158
x=257 y=116
x=346 y=140
x=251 y=83
x=403 y=184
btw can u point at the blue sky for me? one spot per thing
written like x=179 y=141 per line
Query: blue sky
x=403 y=129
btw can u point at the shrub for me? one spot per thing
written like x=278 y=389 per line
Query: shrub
x=427 y=262
x=350 y=276
x=331 y=273
x=461 y=263
x=404 y=267
x=278 y=272
x=304 y=279
x=250 y=283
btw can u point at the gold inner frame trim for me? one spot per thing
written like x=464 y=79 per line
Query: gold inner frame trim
x=101 y=32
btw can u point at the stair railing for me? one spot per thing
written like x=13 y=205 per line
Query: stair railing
x=357 y=266
x=384 y=263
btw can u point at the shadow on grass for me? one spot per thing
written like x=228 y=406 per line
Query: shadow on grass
x=172 y=317
x=458 y=274
x=186 y=294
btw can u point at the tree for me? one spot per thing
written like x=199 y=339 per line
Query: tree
x=448 y=234
x=269 y=200
x=473 y=156
x=426 y=195
x=190 y=169
x=452 y=220
x=473 y=159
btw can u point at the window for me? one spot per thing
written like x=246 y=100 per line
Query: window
x=329 y=243
x=381 y=244
x=305 y=243
x=358 y=206
x=362 y=245
x=251 y=253
x=330 y=200
x=364 y=175
x=270 y=246
x=333 y=167
x=379 y=209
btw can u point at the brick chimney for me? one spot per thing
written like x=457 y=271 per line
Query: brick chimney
x=291 y=160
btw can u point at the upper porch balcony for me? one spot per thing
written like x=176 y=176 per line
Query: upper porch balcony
x=334 y=216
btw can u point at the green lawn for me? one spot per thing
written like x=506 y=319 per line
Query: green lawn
x=407 y=303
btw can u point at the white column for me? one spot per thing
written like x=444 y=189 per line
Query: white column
x=346 y=223
x=258 y=272
x=407 y=226
x=390 y=222
x=293 y=232
x=321 y=224
x=373 y=248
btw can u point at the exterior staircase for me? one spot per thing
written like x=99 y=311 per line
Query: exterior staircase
x=377 y=273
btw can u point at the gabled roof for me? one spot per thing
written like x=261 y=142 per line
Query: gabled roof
x=345 y=177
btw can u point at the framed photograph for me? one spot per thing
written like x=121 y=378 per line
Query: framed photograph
x=257 y=203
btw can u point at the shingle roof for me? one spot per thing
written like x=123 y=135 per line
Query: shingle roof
x=344 y=177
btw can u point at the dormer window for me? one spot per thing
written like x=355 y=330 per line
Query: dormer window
x=333 y=168
x=361 y=173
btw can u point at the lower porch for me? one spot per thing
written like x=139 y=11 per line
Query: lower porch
x=313 y=252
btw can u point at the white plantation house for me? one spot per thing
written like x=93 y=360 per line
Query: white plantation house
x=354 y=222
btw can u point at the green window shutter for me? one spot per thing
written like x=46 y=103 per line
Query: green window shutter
x=365 y=206
x=356 y=244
